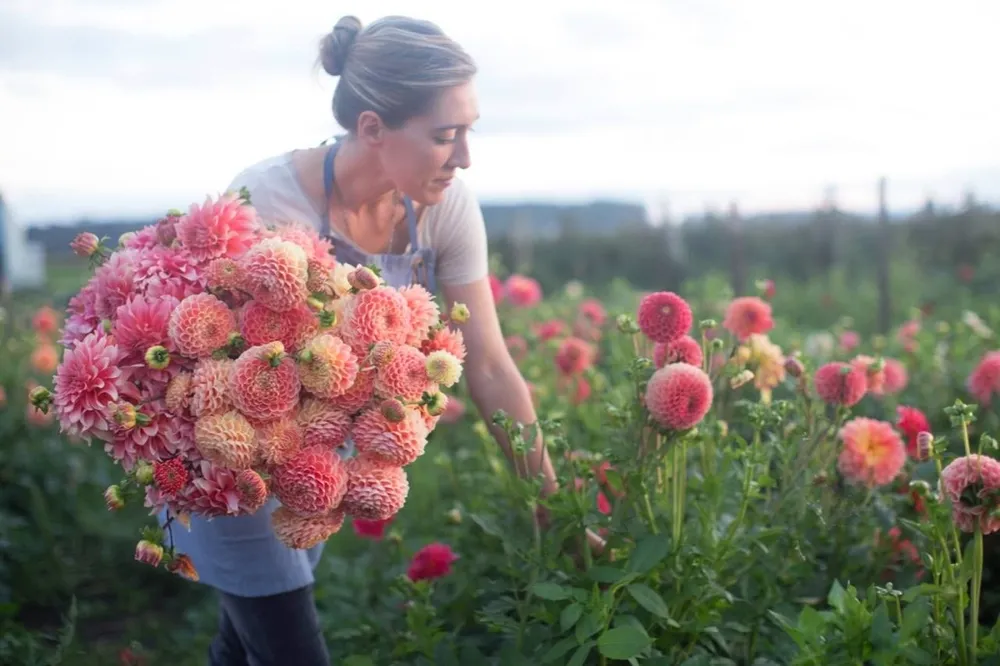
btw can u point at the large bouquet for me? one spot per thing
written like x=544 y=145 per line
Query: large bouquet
x=222 y=361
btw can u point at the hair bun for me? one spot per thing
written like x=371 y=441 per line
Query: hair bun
x=336 y=45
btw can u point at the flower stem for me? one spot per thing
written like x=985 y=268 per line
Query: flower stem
x=977 y=581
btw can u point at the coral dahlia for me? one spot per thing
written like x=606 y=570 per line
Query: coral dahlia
x=972 y=485
x=86 y=387
x=396 y=443
x=873 y=452
x=224 y=227
x=312 y=483
x=275 y=274
x=304 y=532
x=323 y=424
x=375 y=491
x=424 y=313
x=404 y=376
x=840 y=384
x=201 y=324
x=327 y=366
x=684 y=349
x=264 y=382
x=226 y=439
x=679 y=395
x=373 y=315
x=664 y=316
x=748 y=315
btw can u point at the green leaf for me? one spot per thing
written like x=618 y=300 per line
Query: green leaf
x=622 y=642
x=550 y=591
x=912 y=593
x=570 y=614
x=881 y=633
x=559 y=649
x=649 y=599
x=601 y=574
x=836 y=597
x=359 y=660
x=915 y=617
x=581 y=654
x=649 y=553
x=614 y=480
x=588 y=626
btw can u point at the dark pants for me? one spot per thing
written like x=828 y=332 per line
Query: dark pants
x=280 y=630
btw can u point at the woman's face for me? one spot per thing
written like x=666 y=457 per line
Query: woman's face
x=421 y=157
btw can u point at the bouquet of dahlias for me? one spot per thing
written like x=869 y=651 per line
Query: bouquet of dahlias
x=222 y=361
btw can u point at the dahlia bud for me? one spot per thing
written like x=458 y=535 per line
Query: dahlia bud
x=125 y=238
x=443 y=368
x=40 y=398
x=455 y=517
x=166 y=231
x=793 y=367
x=157 y=357
x=106 y=325
x=626 y=324
x=460 y=313
x=143 y=473
x=273 y=353
x=149 y=553
x=820 y=479
x=742 y=378
x=124 y=415
x=381 y=353
x=925 y=446
x=85 y=244
x=943 y=327
x=877 y=366
x=327 y=319
x=920 y=487
x=706 y=324
x=319 y=279
x=314 y=304
x=435 y=403
x=717 y=344
x=362 y=278
x=183 y=567
x=766 y=288
x=393 y=410
x=113 y=498
x=721 y=429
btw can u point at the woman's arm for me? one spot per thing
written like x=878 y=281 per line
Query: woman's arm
x=495 y=383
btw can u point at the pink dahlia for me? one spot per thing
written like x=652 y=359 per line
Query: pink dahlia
x=86 y=387
x=447 y=339
x=593 y=311
x=874 y=370
x=984 y=381
x=424 y=313
x=405 y=375
x=212 y=492
x=200 y=325
x=911 y=422
x=748 y=315
x=322 y=424
x=684 y=349
x=312 y=483
x=574 y=356
x=679 y=395
x=252 y=489
x=224 y=273
x=304 y=532
x=373 y=315
x=226 y=439
x=260 y=325
x=523 y=291
x=396 y=443
x=548 y=330
x=225 y=227
x=114 y=283
x=82 y=319
x=141 y=323
x=664 y=316
x=873 y=452
x=840 y=384
x=317 y=248
x=148 y=440
x=375 y=491
x=430 y=562
x=278 y=442
x=327 y=366
x=896 y=376
x=163 y=271
x=177 y=396
x=972 y=484
x=275 y=274
x=496 y=287
x=359 y=395
x=210 y=386
x=264 y=383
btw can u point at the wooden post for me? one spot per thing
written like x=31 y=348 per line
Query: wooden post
x=738 y=261
x=884 y=235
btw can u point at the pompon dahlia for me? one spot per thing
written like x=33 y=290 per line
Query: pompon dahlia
x=323 y=424
x=275 y=273
x=278 y=442
x=679 y=395
x=252 y=490
x=404 y=376
x=664 y=316
x=312 y=483
x=373 y=315
x=446 y=339
x=874 y=370
x=375 y=491
x=264 y=383
x=838 y=383
x=424 y=313
x=523 y=291
x=984 y=381
x=226 y=439
x=224 y=273
x=301 y=533
x=359 y=395
x=574 y=356
x=684 y=349
x=224 y=227
x=873 y=452
x=443 y=368
x=896 y=376
x=972 y=484
x=200 y=325
x=210 y=386
x=170 y=475
x=393 y=443
x=327 y=366
x=86 y=387
x=178 y=393
x=260 y=325
x=316 y=247
x=141 y=323
x=911 y=422
x=748 y=315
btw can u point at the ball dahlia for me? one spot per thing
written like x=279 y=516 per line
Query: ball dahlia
x=679 y=395
x=312 y=483
x=375 y=491
x=304 y=532
x=664 y=316
x=873 y=453
x=264 y=382
x=396 y=443
x=275 y=274
x=327 y=366
x=201 y=324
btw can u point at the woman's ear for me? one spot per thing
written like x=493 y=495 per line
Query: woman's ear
x=371 y=129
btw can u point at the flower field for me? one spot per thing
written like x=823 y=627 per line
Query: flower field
x=773 y=490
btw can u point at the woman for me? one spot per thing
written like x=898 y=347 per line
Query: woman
x=386 y=195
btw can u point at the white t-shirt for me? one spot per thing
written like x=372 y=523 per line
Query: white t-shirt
x=454 y=228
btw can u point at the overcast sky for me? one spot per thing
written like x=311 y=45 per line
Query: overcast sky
x=134 y=106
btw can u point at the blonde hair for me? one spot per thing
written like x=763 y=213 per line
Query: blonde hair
x=395 y=67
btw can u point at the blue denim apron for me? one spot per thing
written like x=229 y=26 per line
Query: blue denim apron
x=240 y=554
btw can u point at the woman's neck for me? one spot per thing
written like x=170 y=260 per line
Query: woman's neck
x=359 y=180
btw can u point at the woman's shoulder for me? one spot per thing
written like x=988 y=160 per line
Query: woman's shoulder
x=268 y=173
x=274 y=190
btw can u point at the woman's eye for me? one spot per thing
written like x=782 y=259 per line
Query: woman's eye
x=444 y=139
